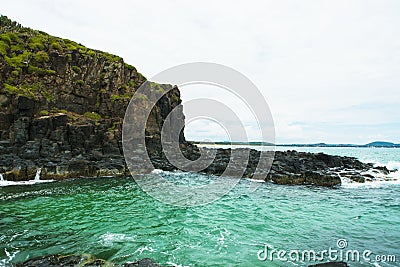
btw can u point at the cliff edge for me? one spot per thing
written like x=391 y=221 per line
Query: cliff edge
x=62 y=106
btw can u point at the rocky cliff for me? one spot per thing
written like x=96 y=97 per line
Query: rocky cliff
x=62 y=106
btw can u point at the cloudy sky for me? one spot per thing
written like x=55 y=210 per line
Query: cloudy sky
x=329 y=70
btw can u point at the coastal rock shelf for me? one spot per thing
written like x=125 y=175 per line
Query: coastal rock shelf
x=290 y=167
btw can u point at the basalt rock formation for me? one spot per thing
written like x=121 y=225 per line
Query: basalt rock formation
x=62 y=106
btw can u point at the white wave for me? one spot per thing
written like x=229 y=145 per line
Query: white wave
x=368 y=184
x=108 y=239
x=255 y=180
x=393 y=165
x=37 y=175
x=30 y=182
x=157 y=171
x=176 y=172
x=175 y=264
x=379 y=179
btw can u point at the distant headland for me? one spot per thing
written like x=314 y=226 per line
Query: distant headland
x=372 y=144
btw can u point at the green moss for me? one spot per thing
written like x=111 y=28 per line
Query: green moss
x=157 y=87
x=93 y=116
x=82 y=49
x=49 y=96
x=38 y=42
x=80 y=82
x=175 y=99
x=32 y=90
x=131 y=83
x=62 y=111
x=140 y=96
x=69 y=57
x=14 y=37
x=98 y=99
x=121 y=97
x=10 y=89
x=20 y=60
x=44 y=113
x=113 y=127
x=13 y=90
x=40 y=71
x=76 y=69
x=91 y=52
x=10 y=80
x=5 y=37
x=15 y=73
x=111 y=57
x=17 y=47
x=71 y=47
x=56 y=46
x=41 y=57
x=129 y=67
x=4 y=47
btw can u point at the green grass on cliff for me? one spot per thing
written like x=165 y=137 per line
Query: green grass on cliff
x=26 y=53
x=56 y=72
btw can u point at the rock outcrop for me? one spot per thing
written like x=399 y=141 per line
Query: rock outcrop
x=288 y=167
x=84 y=260
x=62 y=106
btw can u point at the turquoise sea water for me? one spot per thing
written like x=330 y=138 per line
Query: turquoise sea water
x=115 y=220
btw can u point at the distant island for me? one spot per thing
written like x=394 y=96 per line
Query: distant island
x=372 y=144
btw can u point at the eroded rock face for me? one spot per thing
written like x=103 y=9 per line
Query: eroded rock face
x=62 y=106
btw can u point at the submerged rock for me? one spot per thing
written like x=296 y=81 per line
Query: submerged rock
x=85 y=260
x=57 y=260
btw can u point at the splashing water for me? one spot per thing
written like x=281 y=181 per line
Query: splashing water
x=37 y=176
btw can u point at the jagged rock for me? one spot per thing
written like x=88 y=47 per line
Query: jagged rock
x=85 y=260
x=382 y=169
x=146 y=262
x=70 y=260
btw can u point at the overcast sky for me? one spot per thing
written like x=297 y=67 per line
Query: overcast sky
x=329 y=70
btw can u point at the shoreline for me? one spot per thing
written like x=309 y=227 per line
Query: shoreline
x=288 y=167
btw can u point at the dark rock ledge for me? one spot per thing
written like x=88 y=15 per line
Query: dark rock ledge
x=87 y=260
x=289 y=167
